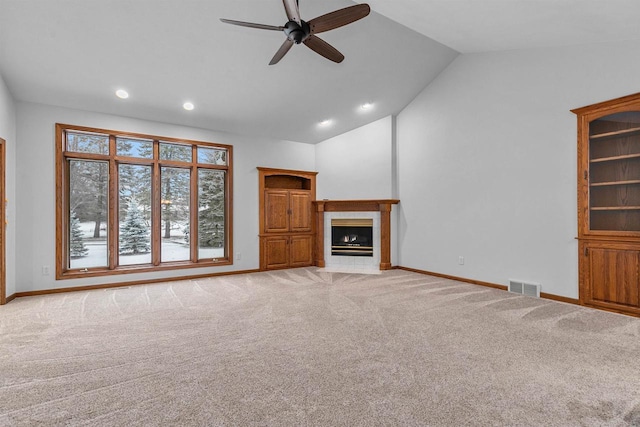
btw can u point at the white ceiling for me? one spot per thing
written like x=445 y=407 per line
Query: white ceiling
x=76 y=53
x=492 y=25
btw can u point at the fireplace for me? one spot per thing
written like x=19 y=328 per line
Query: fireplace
x=352 y=237
x=377 y=211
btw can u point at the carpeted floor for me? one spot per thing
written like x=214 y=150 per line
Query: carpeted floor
x=302 y=347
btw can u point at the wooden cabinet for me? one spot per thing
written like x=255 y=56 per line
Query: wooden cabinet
x=274 y=252
x=300 y=211
x=611 y=275
x=609 y=204
x=300 y=251
x=285 y=251
x=286 y=218
x=287 y=210
x=276 y=211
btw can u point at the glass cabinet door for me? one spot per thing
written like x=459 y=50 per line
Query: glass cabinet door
x=614 y=172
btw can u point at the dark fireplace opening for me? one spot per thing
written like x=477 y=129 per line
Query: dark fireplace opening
x=352 y=237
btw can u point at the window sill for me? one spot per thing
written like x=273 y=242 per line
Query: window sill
x=101 y=271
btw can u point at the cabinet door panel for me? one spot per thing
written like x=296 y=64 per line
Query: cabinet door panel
x=301 y=251
x=276 y=215
x=276 y=252
x=614 y=275
x=300 y=211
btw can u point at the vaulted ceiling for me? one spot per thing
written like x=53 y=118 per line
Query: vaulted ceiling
x=76 y=53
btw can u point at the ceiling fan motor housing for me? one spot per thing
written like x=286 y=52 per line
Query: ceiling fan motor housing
x=297 y=33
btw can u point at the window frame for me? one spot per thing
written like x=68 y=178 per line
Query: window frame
x=63 y=271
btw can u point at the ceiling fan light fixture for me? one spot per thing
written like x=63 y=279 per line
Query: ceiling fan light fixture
x=188 y=106
x=122 y=94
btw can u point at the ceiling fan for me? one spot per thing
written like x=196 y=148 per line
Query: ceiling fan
x=299 y=31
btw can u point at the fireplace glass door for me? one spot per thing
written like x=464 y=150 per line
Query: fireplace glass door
x=352 y=237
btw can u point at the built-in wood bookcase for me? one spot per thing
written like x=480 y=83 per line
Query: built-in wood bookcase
x=286 y=218
x=609 y=204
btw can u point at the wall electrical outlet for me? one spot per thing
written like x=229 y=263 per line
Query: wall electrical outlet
x=460 y=260
x=238 y=256
x=45 y=270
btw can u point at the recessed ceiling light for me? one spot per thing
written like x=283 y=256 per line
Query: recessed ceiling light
x=188 y=106
x=366 y=106
x=122 y=94
x=325 y=122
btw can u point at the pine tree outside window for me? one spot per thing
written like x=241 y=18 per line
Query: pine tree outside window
x=133 y=203
x=77 y=248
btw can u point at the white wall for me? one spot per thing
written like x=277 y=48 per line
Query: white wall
x=8 y=133
x=36 y=188
x=487 y=162
x=356 y=164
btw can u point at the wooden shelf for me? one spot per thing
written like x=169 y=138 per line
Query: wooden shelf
x=611 y=183
x=609 y=204
x=615 y=133
x=355 y=205
x=286 y=218
x=611 y=159
x=615 y=208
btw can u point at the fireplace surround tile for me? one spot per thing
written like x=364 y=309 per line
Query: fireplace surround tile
x=352 y=262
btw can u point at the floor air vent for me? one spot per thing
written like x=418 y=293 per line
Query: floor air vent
x=524 y=288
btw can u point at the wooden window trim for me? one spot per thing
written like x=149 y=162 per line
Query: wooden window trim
x=62 y=202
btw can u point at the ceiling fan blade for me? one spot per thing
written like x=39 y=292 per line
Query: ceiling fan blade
x=339 y=18
x=293 y=13
x=252 y=25
x=281 y=52
x=323 y=48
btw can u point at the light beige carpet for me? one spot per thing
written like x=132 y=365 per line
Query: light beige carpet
x=302 y=347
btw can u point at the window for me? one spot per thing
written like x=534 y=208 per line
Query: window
x=135 y=203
